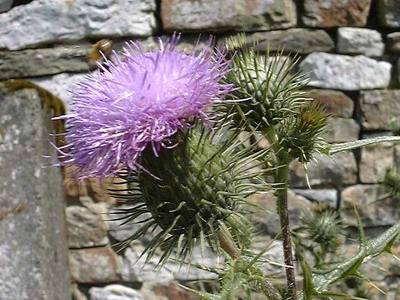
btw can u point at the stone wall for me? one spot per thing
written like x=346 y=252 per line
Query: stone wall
x=350 y=48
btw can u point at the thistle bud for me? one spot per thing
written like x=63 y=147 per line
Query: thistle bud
x=194 y=190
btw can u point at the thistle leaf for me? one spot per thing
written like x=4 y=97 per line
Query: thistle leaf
x=336 y=148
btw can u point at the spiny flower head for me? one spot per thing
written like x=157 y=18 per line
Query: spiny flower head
x=140 y=100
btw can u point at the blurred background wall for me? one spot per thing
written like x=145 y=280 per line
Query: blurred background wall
x=350 y=48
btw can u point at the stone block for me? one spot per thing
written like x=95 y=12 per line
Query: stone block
x=336 y=103
x=335 y=13
x=348 y=73
x=50 y=21
x=241 y=15
x=33 y=247
x=360 y=41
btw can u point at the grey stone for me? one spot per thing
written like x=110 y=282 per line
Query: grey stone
x=274 y=260
x=39 y=62
x=225 y=15
x=328 y=196
x=49 y=21
x=375 y=161
x=166 y=291
x=336 y=103
x=77 y=294
x=360 y=41
x=342 y=72
x=60 y=85
x=382 y=213
x=114 y=292
x=380 y=110
x=335 y=171
x=85 y=228
x=389 y=13
x=191 y=272
x=135 y=270
x=267 y=217
x=33 y=247
x=393 y=42
x=296 y=40
x=341 y=130
x=95 y=265
x=334 y=13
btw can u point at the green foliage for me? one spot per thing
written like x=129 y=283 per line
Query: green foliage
x=391 y=182
x=192 y=191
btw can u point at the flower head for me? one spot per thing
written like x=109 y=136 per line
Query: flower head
x=140 y=100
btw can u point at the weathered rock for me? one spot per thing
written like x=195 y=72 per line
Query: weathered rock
x=360 y=41
x=38 y=62
x=327 y=196
x=393 y=42
x=189 y=273
x=166 y=291
x=57 y=21
x=77 y=294
x=114 y=292
x=341 y=130
x=332 y=71
x=95 y=265
x=60 y=85
x=33 y=247
x=382 y=213
x=135 y=270
x=375 y=161
x=85 y=228
x=333 y=13
x=296 y=40
x=273 y=256
x=389 y=13
x=225 y=15
x=336 y=103
x=267 y=216
x=329 y=171
x=379 y=109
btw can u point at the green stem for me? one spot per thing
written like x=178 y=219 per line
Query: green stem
x=282 y=176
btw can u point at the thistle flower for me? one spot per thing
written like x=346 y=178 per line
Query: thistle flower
x=140 y=100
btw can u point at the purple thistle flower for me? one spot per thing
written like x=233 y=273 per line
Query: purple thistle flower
x=138 y=101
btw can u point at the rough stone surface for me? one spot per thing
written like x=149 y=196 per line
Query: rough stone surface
x=335 y=171
x=85 y=228
x=267 y=216
x=135 y=270
x=374 y=162
x=341 y=130
x=389 y=13
x=56 y=21
x=360 y=41
x=332 y=13
x=296 y=40
x=380 y=110
x=328 y=196
x=60 y=85
x=336 y=103
x=28 y=63
x=344 y=72
x=166 y=291
x=274 y=256
x=393 y=42
x=33 y=247
x=227 y=15
x=382 y=213
x=95 y=265
x=114 y=292
x=5 y=5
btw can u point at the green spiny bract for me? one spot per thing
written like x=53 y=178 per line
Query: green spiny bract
x=301 y=134
x=194 y=190
x=268 y=90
